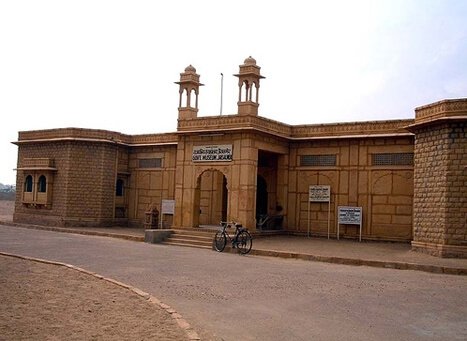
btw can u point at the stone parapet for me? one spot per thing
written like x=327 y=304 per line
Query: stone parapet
x=94 y=135
x=232 y=123
x=352 y=129
x=301 y=132
x=451 y=108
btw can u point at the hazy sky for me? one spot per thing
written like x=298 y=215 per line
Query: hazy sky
x=112 y=64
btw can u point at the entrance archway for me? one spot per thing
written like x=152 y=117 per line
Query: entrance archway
x=211 y=198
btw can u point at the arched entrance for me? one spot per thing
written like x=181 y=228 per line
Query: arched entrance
x=211 y=198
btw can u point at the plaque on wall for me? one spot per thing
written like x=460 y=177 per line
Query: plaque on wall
x=320 y=193
x=215 y=153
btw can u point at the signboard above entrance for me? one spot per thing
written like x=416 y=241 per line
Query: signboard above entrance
x=212 y=153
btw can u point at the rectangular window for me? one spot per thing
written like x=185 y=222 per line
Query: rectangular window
x=150 y=163
x=318 y=160
x=392 y=159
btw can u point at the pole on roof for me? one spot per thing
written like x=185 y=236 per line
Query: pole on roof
x=222 y=88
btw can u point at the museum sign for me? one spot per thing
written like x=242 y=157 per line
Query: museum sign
x=212 y=153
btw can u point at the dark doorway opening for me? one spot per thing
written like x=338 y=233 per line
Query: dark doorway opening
x=261 y=198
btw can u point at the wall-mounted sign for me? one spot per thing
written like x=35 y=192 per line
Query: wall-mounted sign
x=320 y=193
x=212 y=153
x=168 y=207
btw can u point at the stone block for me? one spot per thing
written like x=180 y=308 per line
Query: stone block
x=155 y=236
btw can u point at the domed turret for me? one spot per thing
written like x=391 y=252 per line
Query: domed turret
x=250 y=61
x=248 y=87
x=188 y=90
x=190 y=68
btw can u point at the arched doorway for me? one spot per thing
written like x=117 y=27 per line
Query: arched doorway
x=211 y=197
x=261 y=197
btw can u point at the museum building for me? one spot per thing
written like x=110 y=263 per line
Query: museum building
x=400 y=180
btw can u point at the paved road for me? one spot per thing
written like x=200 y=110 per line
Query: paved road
x=230 y=297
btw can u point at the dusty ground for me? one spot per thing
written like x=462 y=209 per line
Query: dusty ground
x=51 y=302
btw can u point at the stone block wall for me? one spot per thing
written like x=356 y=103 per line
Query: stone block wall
x=431 y=164
x=440 y=201
x=90 y=185
x=456 y=178
x=83 y=184
x=385 y=192
x=148 y=186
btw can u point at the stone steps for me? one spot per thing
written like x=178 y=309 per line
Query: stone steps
x=191 y=238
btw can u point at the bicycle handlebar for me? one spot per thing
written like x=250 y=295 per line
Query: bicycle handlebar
x=230 y=224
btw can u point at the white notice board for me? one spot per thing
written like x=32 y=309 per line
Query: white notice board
x=349 y=215
x=320 y=193
x=167 y=207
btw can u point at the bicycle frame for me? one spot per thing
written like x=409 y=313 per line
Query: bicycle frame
x=228 y=224
x=241 y=239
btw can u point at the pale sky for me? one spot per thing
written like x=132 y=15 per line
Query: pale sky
x=112 y=64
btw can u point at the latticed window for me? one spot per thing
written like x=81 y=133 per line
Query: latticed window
x=318 y=160
x=150 y=163
x=392 y=159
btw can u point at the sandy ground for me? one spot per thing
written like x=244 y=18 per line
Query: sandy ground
x=51 y=302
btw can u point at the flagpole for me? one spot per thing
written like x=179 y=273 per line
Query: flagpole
x=222 y=88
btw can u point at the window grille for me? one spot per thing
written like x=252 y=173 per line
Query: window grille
x=150 y=163
x=318 y=160
x=392 y=159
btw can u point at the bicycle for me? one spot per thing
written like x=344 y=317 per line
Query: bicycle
x=241 y=240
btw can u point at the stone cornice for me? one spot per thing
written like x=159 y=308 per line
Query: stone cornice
x=352 y=129
x=441 y=109
x=94 y=135
x=228 y=123
x=212 y=124
x=439 y=112
x=232 y=123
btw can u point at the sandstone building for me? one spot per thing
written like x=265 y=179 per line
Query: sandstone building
x=409 y=177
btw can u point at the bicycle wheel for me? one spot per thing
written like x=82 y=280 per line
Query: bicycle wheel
x=244 y=242
x=219 y=241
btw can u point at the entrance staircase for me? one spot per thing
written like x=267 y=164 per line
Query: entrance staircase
x=196 y=237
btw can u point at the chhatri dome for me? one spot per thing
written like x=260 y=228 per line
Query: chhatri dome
x=250 y=61
x=190 y=68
